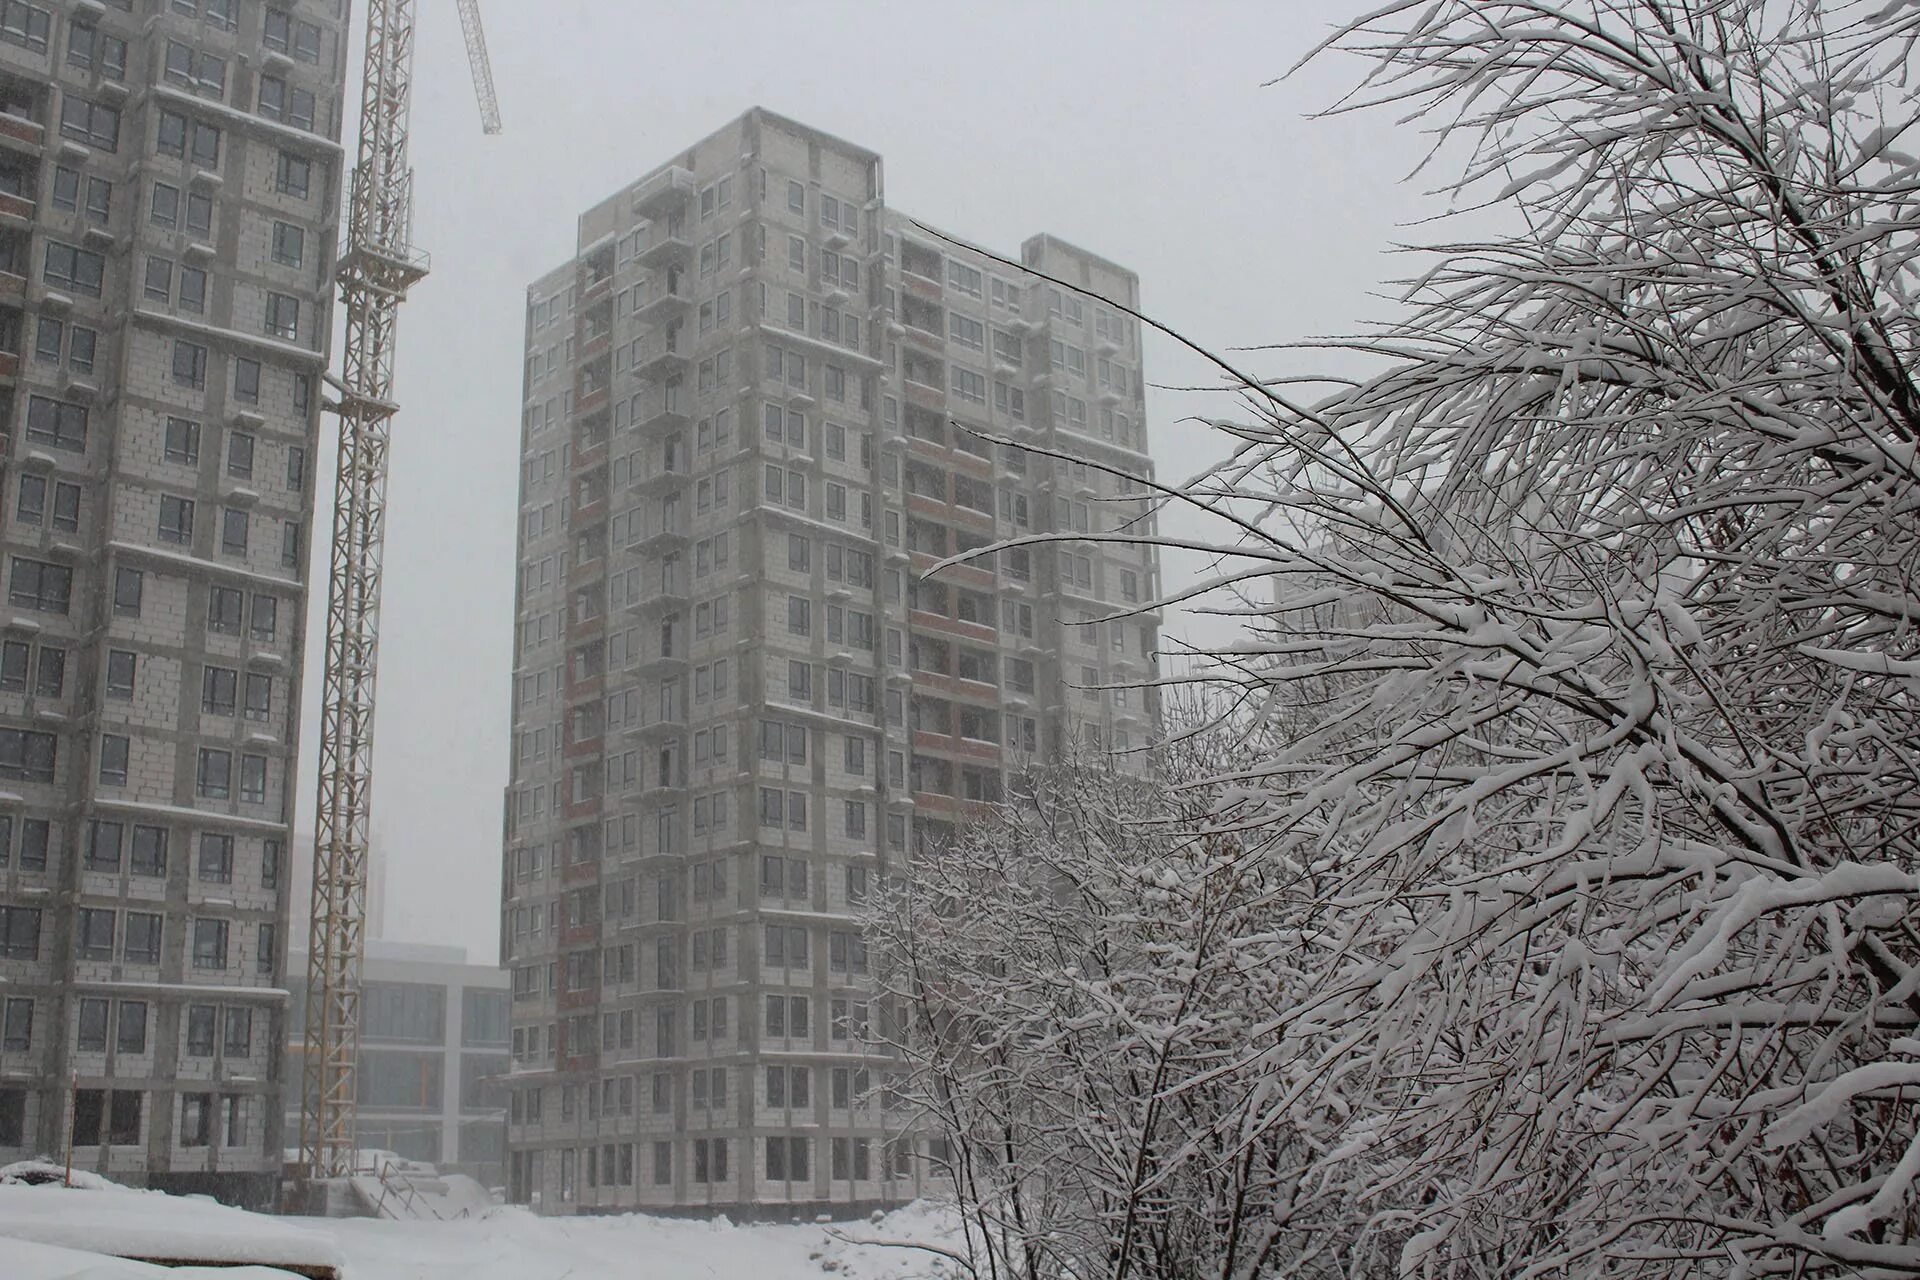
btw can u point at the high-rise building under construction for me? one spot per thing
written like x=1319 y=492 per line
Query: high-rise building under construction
x=738 y=701
x=169 y=179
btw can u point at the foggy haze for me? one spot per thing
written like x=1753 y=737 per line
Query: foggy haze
x=1132 y=130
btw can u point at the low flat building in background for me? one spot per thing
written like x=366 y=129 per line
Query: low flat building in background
x=433 y=1045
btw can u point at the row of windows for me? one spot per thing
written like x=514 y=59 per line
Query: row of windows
x=113 y=1118
x=175 y=525
x=97 y=931
x=786 y=1159
x=124 y=1023
x=144 y=850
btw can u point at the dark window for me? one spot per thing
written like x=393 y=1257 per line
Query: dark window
x=28 y=756
x=114 y=750
x=123 y=1118
x=200 y=1020
x=176 y=519
x=131 y=1036
x=38 y=585
x=410 y=1011
x=25 y=25
x=89 y=1113
x=50 y=675
x=92 y=123
x=149 y=856
x=183 y=441
x=91 y=1025
x=69 y=267
x=16 y=1027
x=189 y=364
x=196 y=1119
x=121 y=666
x=233 y=531
x=266 y=613
x=163 y=206
x=215 y=774
x=20 y=926
x=283 y=316
x=35 y=835
x=103 y=845
x=206 y=145
x=259 y=703
x=293 y=175
x=209 y=944
x=142 y=944
x=223 y=610
x=289 y=244
x=56 y=423
x=246 y=380
x=171 y=138
x=127 y=585
x=238 y=1041
x=240 y=455
x=216 y=857
x=93 y=933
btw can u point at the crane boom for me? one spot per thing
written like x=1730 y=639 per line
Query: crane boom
x=481 y=66
x=378 y=266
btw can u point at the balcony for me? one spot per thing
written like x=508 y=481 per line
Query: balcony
x=666 y=598
x=663 y=664
x=664 y=192
x=17 y=210
x=21 y=134
x=659 y=537
x=669 y=303
x=662 y=418
x=657 y=482
x=672 y=724
x=660 y=363
x=669 y=248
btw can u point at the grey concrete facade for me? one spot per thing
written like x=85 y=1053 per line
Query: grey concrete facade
x=433 y=1051
x=736 y=700
x=169 y=177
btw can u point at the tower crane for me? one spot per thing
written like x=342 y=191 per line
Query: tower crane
x=377 y=266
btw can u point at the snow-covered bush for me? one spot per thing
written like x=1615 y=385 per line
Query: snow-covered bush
x=1074 y=968
x=1577 y=872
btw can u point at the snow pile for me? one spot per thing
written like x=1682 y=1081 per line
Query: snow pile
x=513 y=1244
x=60 y=1233
x=26 y=1260
x=427 y=1197
x=40 y=1173
x=159 y=1227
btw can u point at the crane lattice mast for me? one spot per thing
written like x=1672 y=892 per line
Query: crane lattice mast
x=379 y=264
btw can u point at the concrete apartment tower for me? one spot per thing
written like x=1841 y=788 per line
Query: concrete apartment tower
x=736 y=703
x=169 y=183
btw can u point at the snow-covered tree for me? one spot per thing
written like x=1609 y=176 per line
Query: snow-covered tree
x=1080 y=977
x=1572 y=929
x=1598 y=602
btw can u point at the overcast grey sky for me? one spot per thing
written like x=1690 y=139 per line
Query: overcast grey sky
x=1140 y=131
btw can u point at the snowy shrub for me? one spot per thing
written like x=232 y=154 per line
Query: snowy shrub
x=1562 y=922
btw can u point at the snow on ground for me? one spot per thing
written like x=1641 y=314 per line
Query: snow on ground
x=27 y=1260
x=152 y=1224
x=513 y=1244
x=41 y=1227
